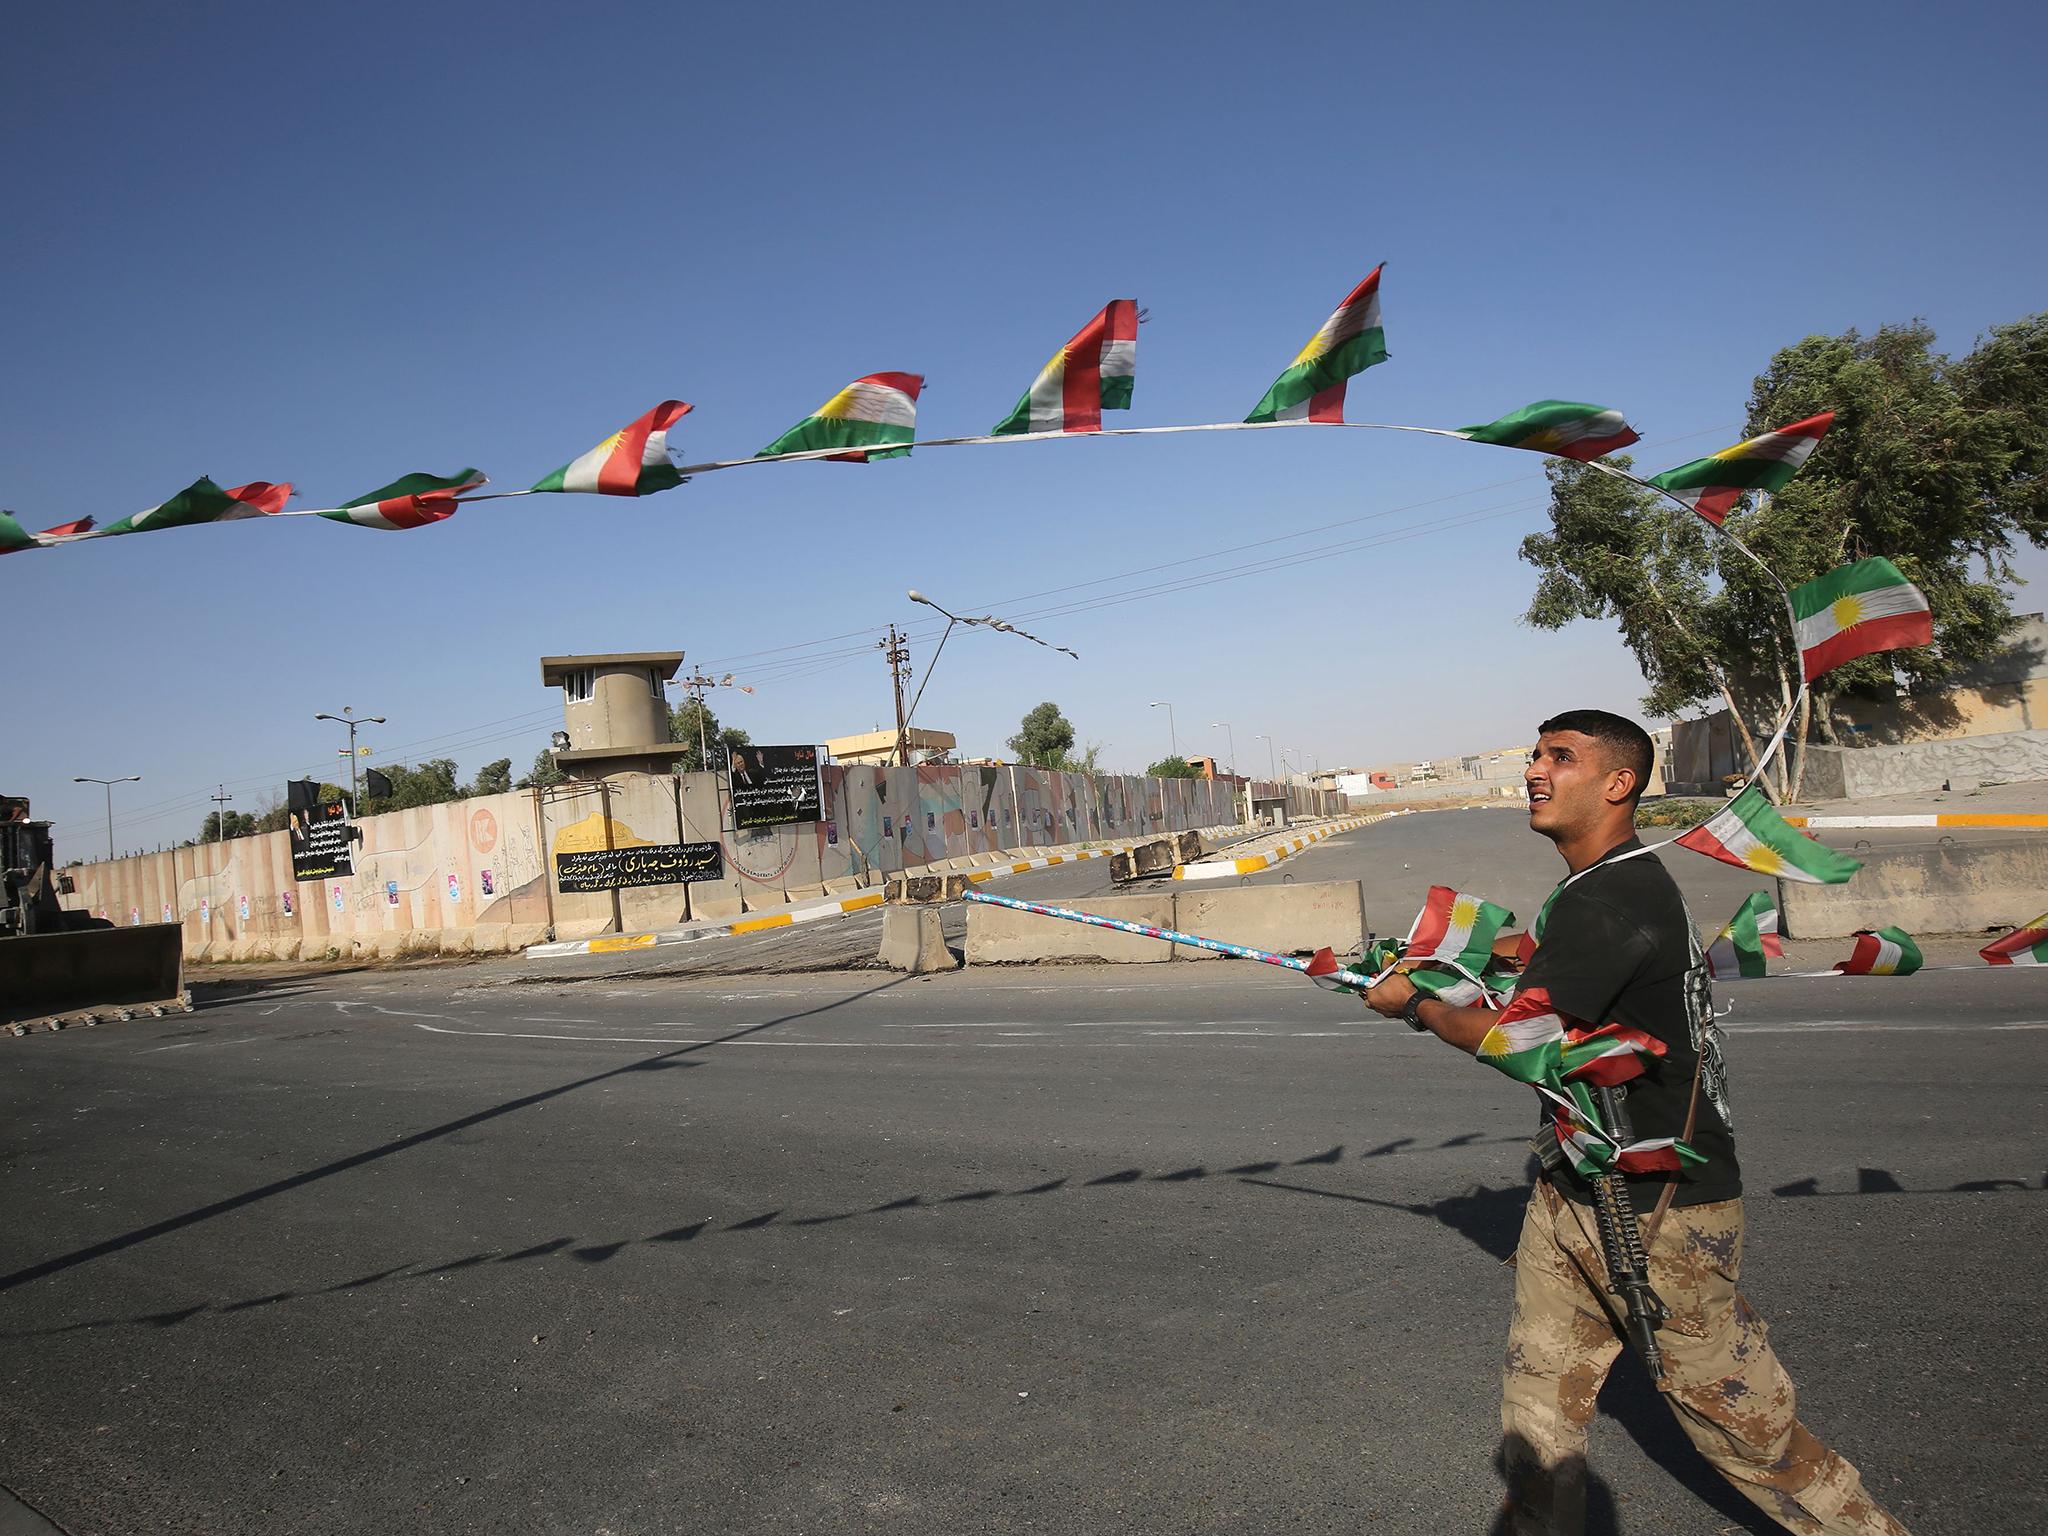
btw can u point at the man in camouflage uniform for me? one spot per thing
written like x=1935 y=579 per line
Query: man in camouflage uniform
x=1614 y=943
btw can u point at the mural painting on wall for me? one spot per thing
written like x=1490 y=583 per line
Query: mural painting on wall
x=322 y=842
x=775 y=787
x=617 y=869
x=483 y=830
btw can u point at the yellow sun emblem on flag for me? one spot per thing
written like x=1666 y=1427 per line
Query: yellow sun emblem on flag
x=1764 y=859
x=840 y=405
x=1494 y=1042
x=1847 y=610
x=1464 y=912
x=611 y=443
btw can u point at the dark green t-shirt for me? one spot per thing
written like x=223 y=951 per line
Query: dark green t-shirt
x=1616 y=945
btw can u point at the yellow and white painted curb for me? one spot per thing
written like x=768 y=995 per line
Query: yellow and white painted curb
x=2030 y=820
x=1266 y=858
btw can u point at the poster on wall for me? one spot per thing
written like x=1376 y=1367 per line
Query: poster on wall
x=775 y=787
x=618 y=869
x=285 y=901
x=242 y=907
x=454 y=887
x=321 y=845
x=485 y=883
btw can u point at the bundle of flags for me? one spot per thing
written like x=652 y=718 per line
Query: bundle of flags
x=1450 y=946
x=1564 y=1059
x=1747 y=940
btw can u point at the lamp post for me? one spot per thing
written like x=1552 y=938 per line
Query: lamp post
x=351 y=719
x=1231 y=736
x=133 y=778
x=987 y=620
x=696 y=685
x=1172 y=735
x=1271 y=771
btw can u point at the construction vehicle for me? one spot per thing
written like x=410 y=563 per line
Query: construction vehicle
x=59 y=966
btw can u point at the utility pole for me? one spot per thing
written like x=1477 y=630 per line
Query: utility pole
x=220 y=816
x=695 y=685
x=897 y=653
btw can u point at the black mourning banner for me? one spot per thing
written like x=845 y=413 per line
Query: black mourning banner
x=775 y=787
x=615 y=869
x=321 y=845
x=301 y=794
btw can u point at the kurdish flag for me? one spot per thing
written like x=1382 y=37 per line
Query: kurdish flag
x=1882 y=952
x=1608 y=1056
x=1457 y=928
x=411 y=502
x=1462 y=992
x=2026 y=945
x=1527 y=1041
x=1855 y=609
x=1711 y=486
x=1091 y=374
x=878 y=409
x=13 y=536
x=1350 y=341
x=633 y=461
x=1752 y=835
x=1749 y=937
x=1563 y=427
x=204 y=502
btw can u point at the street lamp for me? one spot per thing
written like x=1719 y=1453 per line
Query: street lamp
x=1271 y=771
x=989 y=620
x=133 y=778
x=1231 y=736
x=351 y=719
x=1172 y=735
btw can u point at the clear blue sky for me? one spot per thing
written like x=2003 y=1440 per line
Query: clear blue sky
x=333 y=246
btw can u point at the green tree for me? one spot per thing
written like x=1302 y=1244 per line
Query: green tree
x=545 y=772
x=1175 y=767
x=429 y=783
x=1044 y=737
x=494 y=778
x=684 y=723
x=1937 y=465
x=225 y=824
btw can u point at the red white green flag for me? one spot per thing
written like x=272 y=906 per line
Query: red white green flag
x=1567 y=428
x=1752 y=835
x=1711 y=486
x=1855 y=609
x=1091 y=374
x=2027 y=945
x=1455 y=927
x=411 y=502
x=13 y=536
x=1526 y=1042
x=204 y=502
x=1750 y=936
x=633 y=461
x=867 y=416
x=1350 y=342
x=1882 y=952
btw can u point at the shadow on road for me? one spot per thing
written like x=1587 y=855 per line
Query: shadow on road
x=406 y=1143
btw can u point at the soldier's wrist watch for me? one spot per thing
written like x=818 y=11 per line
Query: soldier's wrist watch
x=1411 y=1011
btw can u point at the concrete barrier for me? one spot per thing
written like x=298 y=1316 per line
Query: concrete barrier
x=1952 y=888
x=1284 y=918
x=914 y=940
x=999 y=936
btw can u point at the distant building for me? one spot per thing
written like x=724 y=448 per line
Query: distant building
x=878 y=747
x=614 y=712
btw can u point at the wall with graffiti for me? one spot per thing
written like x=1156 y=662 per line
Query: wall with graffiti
x=481 y=874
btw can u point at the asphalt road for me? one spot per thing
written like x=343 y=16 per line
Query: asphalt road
x=1143 y=1249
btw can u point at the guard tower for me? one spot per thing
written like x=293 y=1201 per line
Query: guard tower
x=614 y=712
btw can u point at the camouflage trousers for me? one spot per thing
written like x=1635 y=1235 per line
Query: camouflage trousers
x=1722 y=1379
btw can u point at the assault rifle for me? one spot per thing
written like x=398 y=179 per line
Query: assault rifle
x=1621 y=1241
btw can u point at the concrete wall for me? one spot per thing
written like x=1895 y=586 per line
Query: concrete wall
x=1851 y=773
x=420 y=874
x=1948 y=887
x=1285 y=918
